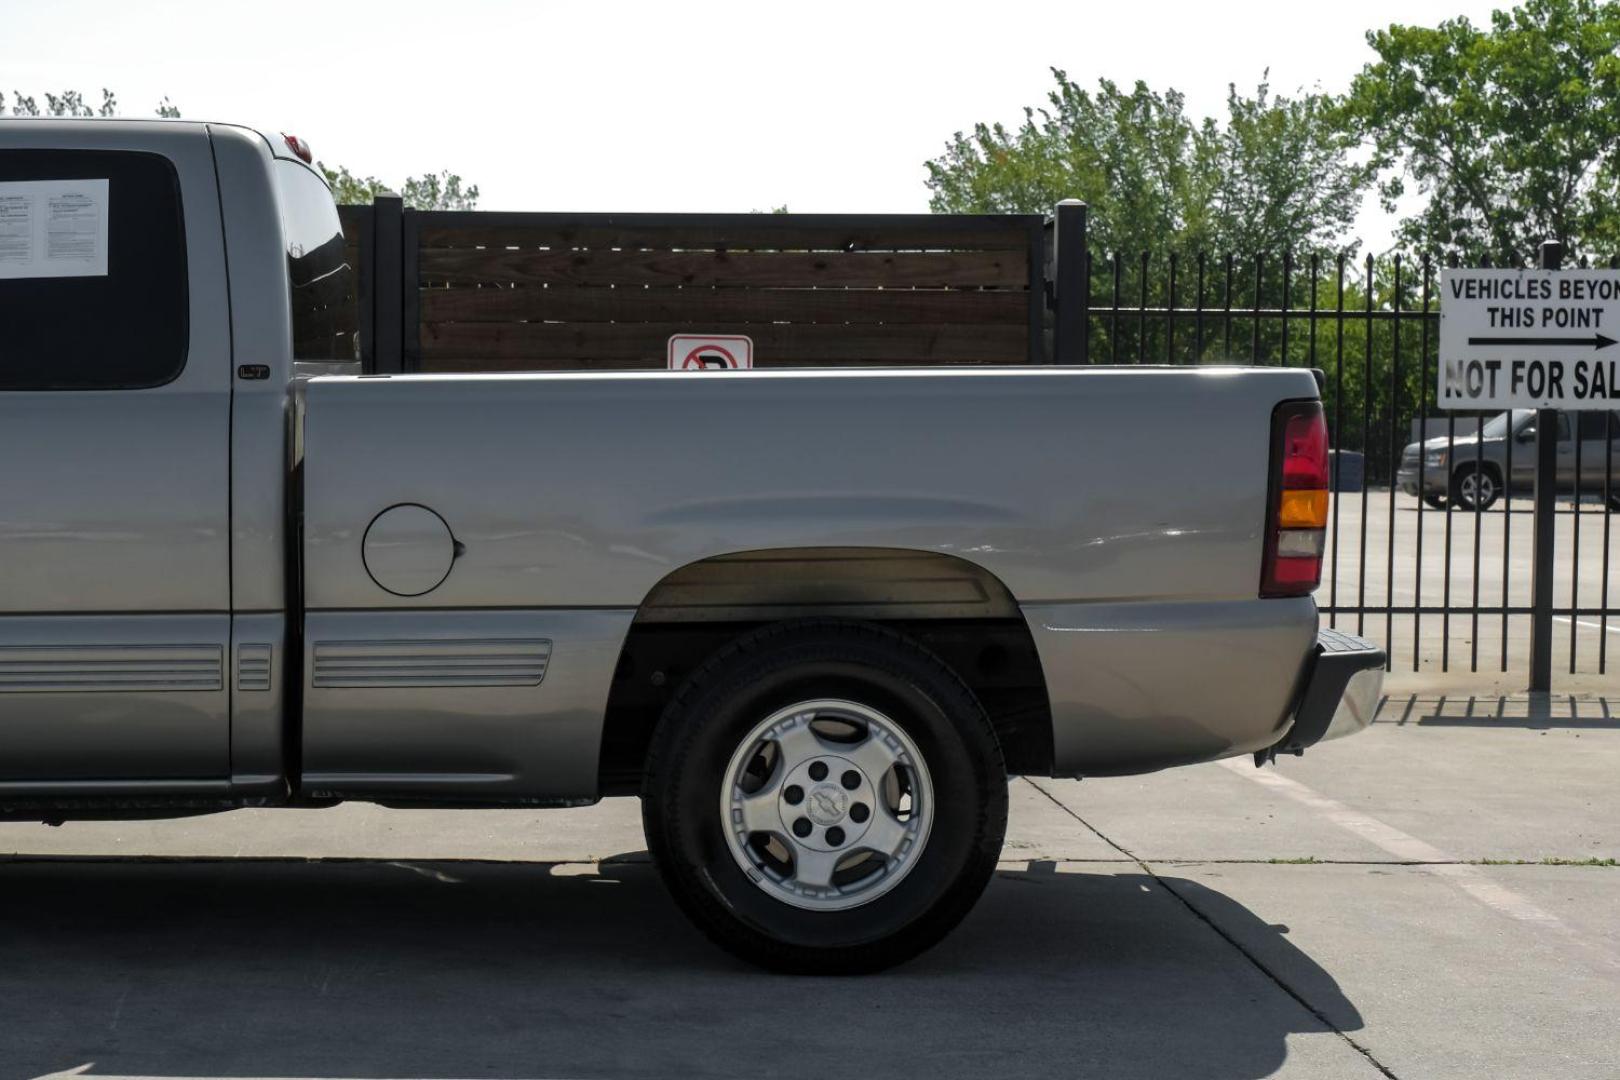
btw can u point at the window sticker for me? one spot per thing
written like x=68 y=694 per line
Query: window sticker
x=53 y=228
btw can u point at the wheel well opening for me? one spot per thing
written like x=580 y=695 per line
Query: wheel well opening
x=958 y=610
x=1469 y=465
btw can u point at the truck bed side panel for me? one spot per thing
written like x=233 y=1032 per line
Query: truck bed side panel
x=583 y=491
x=1143 y=686
x=1130 y=495
x=457 y=705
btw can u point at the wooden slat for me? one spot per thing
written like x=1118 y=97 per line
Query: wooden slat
x=698 y=306
x=543 y=343
x=791 y=232
x=353 y=219
x=776 y=269
x=351 y=214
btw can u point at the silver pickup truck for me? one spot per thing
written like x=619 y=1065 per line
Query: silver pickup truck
x=1474 y=469
x=814 y=619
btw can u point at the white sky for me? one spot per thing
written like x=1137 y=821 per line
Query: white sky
x=670 y=106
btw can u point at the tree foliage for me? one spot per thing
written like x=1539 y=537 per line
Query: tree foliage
x=1276 y=172
x=1512 y=132
x=71 y=103
x=432 y=191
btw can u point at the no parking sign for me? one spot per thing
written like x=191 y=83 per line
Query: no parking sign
x=710 y=352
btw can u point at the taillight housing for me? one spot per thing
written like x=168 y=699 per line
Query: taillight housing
x=1297 y=507
x=299 y=147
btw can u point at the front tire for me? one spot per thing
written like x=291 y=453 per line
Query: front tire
x=825 y=797
x=1475 y=489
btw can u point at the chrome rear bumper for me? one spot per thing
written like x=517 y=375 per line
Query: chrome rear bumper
x=1340 y=695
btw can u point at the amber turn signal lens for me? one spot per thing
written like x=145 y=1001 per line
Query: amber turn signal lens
x=1303 y=510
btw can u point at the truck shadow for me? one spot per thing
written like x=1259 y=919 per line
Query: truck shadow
x=239 y=968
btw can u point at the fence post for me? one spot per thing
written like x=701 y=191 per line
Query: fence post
x=1546 y=505
x=359 y=229
x=1070 y=289
x=410 y=317
x=387 y=283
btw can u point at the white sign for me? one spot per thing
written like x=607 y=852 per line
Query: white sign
x=1529 y=339
x=710 y=352
x=53 y=228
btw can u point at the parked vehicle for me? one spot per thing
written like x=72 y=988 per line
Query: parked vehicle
x=813 y=618
x=1472 y=471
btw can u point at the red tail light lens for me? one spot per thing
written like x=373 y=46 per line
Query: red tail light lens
x=1297 y=510
x=299 y=147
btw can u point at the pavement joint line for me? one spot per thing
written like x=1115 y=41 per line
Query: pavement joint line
x=1467 y=876
x=1258 y=964
x=1313 y=861
x=1588 y=625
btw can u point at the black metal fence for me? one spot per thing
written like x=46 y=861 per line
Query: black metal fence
x=1441 y=572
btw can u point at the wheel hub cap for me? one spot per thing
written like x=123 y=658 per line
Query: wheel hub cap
x=827 y=804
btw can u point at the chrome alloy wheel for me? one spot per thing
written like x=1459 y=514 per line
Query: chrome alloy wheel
x=1478 y=489
x=827 y=804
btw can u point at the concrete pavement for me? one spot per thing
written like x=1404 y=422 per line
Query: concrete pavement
x=1422 y=575
x=1424 y=900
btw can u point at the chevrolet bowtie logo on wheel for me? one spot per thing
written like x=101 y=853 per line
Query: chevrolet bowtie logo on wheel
x=827 y=805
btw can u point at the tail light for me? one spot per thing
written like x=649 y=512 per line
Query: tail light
x=1296 y=522
x=299 y=147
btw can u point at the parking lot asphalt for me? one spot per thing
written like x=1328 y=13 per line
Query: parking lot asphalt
x=1435 y=897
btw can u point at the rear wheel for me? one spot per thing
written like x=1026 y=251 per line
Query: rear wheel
x=1473 y=488
x=825 y=797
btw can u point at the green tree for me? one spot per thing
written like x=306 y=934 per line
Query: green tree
x=67 y=103
x=1283 y=173
x=1512 y=133
x=1276 y=173
x=432 y=191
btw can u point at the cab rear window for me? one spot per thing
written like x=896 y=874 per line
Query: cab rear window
x=121 y=324
x=325 y=312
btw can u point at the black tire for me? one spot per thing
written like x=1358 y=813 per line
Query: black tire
x=1435 y=502
x=1464 y=489
x=770 y=669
